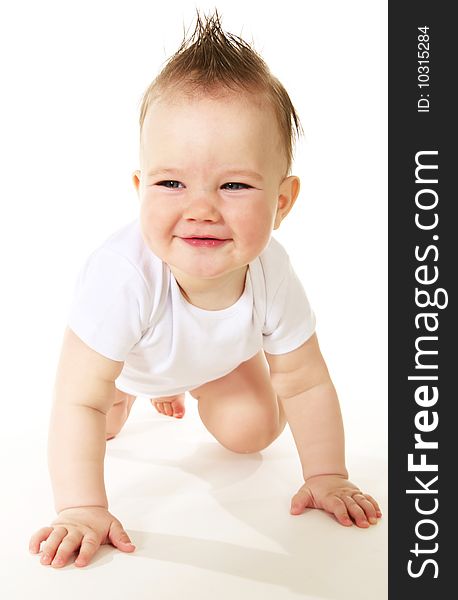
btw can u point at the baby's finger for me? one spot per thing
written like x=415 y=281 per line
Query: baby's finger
x=89 y=547
x=119 y=538
x=300 y=501
x=52 y=543
x=159 y=407
x=367 y=507
x=38 y=537
x=337 y=507
x=355 y=511
x=69 y=544
x=375 y=503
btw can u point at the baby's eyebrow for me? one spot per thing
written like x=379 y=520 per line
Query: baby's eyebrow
x=245 y=172
x=228 y=173
x=162 y=171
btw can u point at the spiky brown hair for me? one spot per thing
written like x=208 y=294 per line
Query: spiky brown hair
x=212 y=62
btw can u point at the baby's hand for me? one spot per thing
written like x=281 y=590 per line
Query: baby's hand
x=339 y=497
x=84 y=528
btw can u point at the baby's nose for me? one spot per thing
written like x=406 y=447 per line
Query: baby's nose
x=201 y=208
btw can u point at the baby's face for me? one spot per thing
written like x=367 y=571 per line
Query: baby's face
x=211 y=168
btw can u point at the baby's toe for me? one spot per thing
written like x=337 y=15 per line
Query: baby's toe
x=168 y=409
x=158 y=406
x=178 y=409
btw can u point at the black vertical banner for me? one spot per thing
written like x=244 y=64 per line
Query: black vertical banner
x=423 y=258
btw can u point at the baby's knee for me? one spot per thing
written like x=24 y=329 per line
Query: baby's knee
x=245 y=446
x=243 y=439
x=114 y=425
x=117 y=415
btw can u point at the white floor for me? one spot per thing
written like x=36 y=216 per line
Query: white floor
x=207 y=523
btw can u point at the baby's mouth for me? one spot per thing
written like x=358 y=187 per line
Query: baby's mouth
x=202 y=237
x=207 y=242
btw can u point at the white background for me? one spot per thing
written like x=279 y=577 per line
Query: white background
x=73 y=74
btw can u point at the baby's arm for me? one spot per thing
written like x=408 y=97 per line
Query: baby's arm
x=302 y=382
x=83 y=394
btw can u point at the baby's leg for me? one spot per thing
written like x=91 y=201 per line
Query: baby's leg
x=172 y=406
x=241 y=409
x=118 y=413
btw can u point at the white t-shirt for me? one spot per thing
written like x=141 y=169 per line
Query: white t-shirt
x=128 y=307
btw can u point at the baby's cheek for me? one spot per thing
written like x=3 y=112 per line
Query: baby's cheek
x=257 y=227
x=154 y=220
x=151 y=229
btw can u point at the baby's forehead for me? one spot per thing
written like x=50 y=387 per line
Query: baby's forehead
x=219 y=110
x=167 y=103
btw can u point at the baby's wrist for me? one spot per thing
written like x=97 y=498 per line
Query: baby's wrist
x=82 y=506
x=342 y=475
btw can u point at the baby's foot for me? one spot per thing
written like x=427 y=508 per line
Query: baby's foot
x=172 y=406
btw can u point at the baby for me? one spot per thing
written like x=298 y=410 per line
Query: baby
x=197 y=296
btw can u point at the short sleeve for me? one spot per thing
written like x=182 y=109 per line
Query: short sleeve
x=109 y=310
x=290 y=320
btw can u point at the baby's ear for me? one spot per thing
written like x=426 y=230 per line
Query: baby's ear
x=287 y=194
x=136 y=180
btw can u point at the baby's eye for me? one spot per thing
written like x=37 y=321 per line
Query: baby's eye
x=233 y=183
x=171 y=184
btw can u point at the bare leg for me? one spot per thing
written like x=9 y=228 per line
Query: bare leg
x=118 y=413
x=241 y=410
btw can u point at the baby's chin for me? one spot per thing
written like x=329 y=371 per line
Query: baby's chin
x=210 y=269
x=201 y=272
